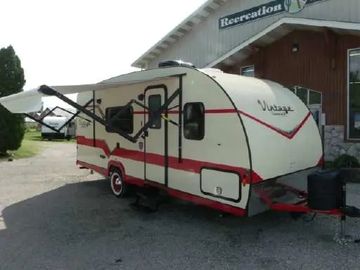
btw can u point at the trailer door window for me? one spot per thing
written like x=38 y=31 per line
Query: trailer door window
x=194 y=121
x=120 y=118
x=154 y=107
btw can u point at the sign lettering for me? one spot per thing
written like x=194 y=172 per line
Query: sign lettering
x=262 y=11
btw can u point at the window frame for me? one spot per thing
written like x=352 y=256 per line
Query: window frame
x=154 y=95
x=245 y=67
x=348 y=97
x=295 y=88
x=184 y=122
x=119 y=108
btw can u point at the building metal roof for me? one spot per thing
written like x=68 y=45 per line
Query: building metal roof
x=179 y=31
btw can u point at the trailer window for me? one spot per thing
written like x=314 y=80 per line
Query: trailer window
x=154 y=107
x=120 y=118
x=194 y=121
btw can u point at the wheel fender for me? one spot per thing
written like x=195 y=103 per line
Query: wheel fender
x=118 y=165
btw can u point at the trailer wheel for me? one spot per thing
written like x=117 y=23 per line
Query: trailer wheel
x=118 y=186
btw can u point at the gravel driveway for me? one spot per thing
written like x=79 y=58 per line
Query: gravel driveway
x=54 y=216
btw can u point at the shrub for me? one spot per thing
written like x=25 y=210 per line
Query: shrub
x=346 y=161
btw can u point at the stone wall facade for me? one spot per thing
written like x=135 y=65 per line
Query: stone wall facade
x=336 y=146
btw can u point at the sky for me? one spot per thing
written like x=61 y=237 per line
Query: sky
x=64 y=42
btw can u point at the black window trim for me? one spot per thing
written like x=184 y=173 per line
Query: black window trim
x=108 y=129
x=148 y=103
x=184 y=121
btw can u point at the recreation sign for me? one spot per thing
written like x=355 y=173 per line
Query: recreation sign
x=262 y=11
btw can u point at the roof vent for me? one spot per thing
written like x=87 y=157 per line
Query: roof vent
x=175 y=63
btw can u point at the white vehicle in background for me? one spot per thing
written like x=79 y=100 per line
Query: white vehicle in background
x=57 y=122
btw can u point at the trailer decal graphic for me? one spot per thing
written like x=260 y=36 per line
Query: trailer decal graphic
x=275 y=109
x=189 y=165
x=176 y=193
x=288 y=134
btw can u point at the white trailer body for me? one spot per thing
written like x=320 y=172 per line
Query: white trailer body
x=221 y=141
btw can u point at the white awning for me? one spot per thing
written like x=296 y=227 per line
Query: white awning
x=24 y=102
x=31 y=101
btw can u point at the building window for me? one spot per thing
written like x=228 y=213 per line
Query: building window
x=308 y=96
x=312 y=99
x=194 y=121
x=120 y=118
x=154 y=107
x=354 y=95
x=248 y=71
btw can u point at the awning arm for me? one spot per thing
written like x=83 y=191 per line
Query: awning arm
x=41 y=119
x=46 y=90
x=158 y=113
x=41 y=122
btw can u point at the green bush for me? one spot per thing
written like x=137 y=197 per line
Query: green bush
x=12 y=127
x=346 y=161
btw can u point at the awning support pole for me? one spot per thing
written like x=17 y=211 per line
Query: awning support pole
x=46 y=90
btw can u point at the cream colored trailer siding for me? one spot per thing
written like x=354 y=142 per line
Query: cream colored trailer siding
x=224 y=142
x=205 y=42
x=282 y=140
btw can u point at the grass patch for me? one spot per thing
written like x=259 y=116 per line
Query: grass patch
x=34 y=135
x=28 y=149
x=31 y=145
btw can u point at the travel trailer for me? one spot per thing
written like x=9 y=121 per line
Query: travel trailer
x=201 y=135
x=236 y=144
x=57 y=122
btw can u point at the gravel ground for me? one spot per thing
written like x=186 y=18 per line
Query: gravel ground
x=54 y=216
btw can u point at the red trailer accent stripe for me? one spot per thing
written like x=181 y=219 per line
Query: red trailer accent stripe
x=99 y=170
x=288 y=134
x=189 y=165
x=172 y=192
x=211 y=111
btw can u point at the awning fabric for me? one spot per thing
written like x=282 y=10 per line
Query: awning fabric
x=31 y=101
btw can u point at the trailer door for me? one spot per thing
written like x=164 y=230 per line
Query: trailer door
x=156 y=138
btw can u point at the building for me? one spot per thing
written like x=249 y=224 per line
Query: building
x=310 y=46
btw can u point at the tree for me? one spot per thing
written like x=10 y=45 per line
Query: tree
x=12 y=80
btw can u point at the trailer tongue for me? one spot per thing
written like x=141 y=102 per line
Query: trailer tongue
x=326 y=194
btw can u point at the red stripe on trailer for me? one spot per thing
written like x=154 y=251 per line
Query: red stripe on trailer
x=189 y=165
x=321 y=162
x=172 y=192
x=288 y=134
x=209 y=203
x=303 y=208
x=210 y=111
x=82 y=140
x=216 y=111
x=100 y=170
x=190 y=197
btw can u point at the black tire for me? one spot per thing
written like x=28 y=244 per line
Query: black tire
x=118 y=187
